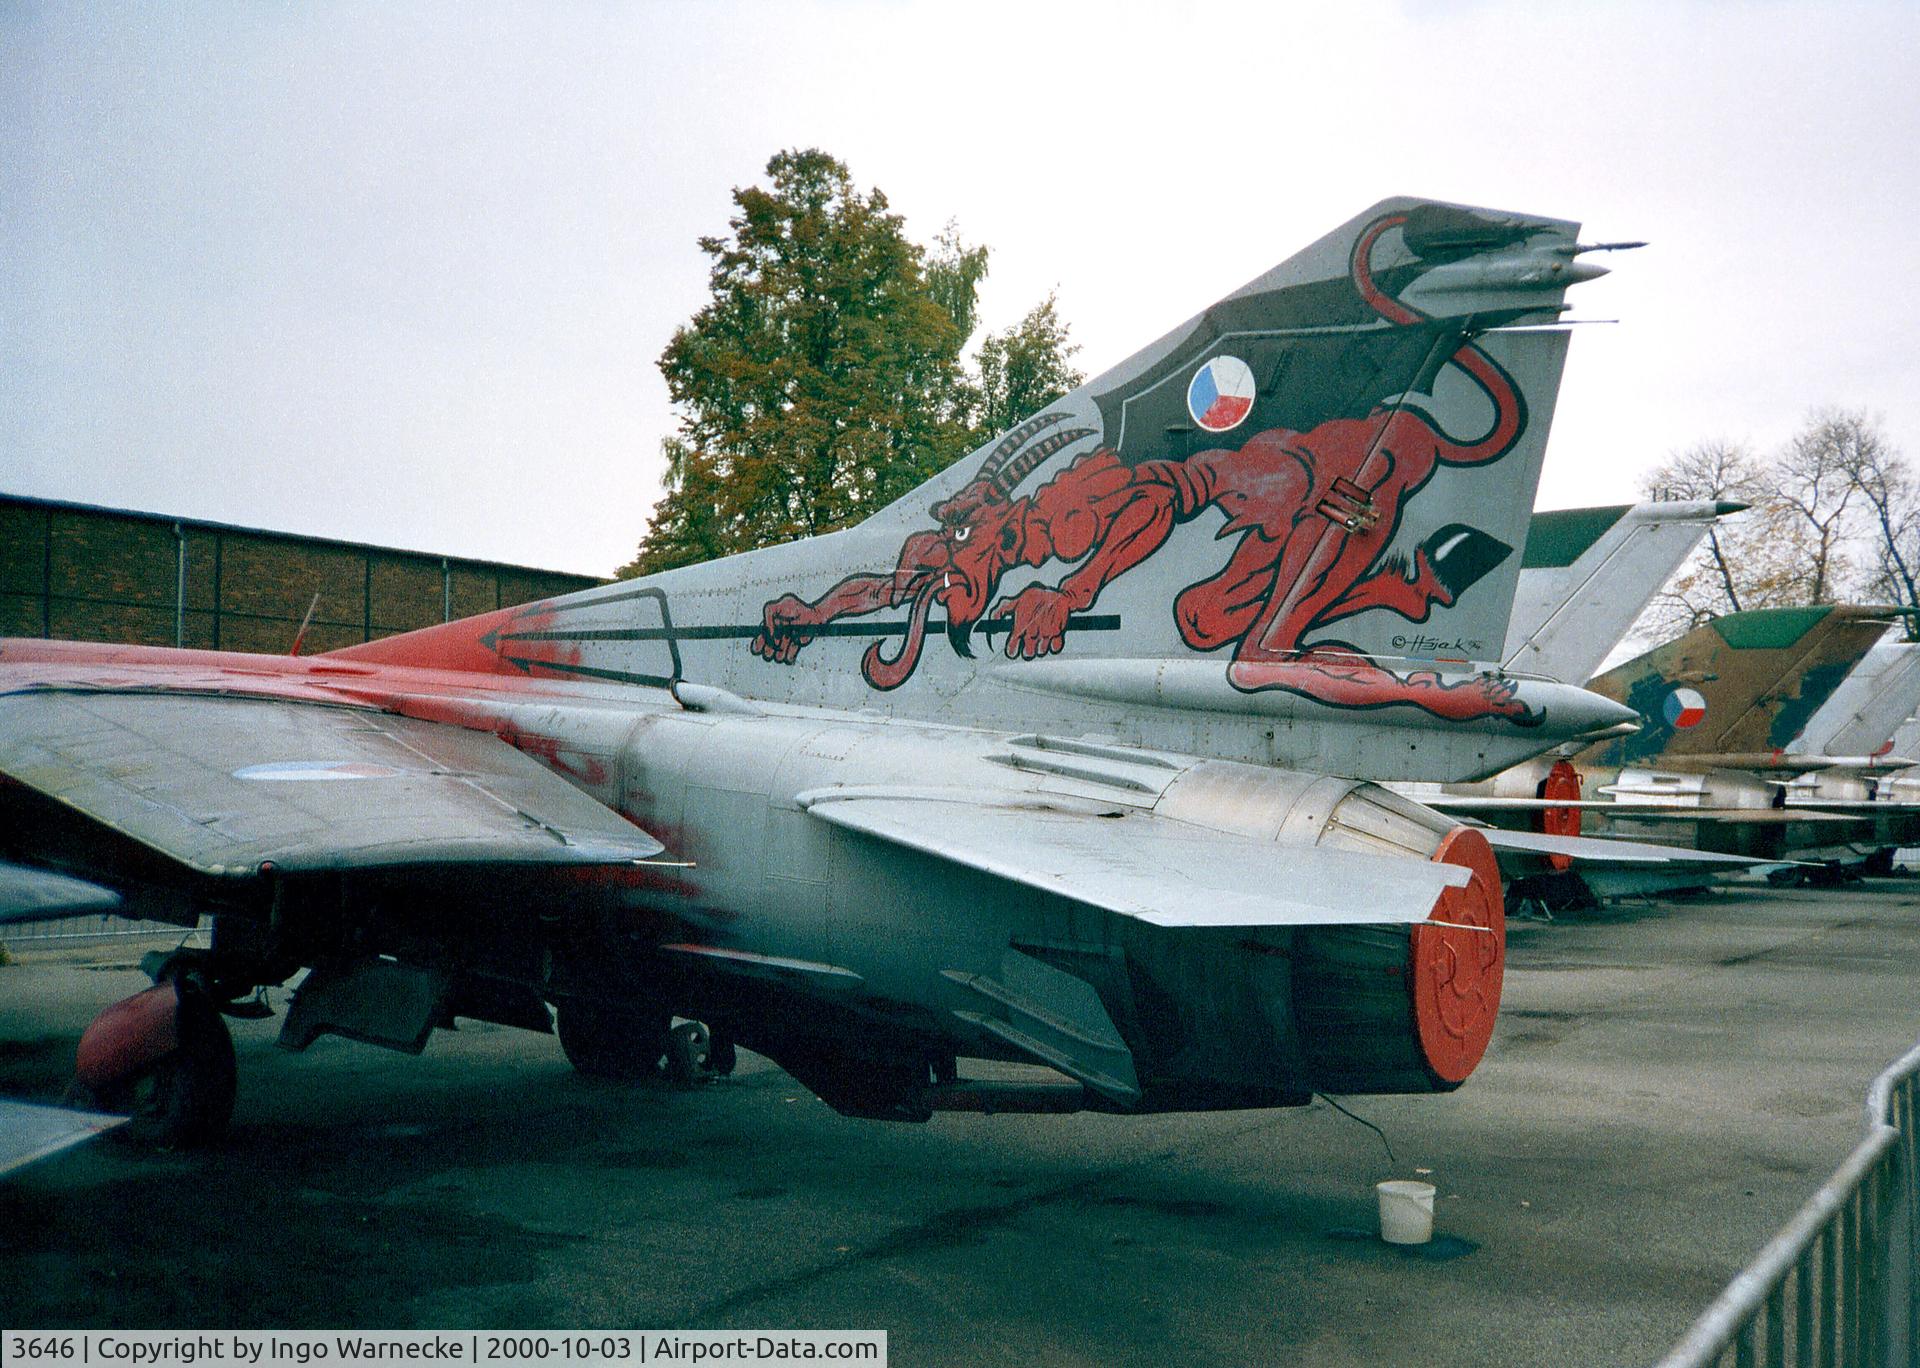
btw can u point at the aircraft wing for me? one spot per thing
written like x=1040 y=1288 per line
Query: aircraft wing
x=28 y=894
x=224 y=784
x=1152 y=868
x=28 y=1132
x=1469 y=804
x=1636 y=812
x=1606 y=850
x=1817 y=805
x=1478 y=802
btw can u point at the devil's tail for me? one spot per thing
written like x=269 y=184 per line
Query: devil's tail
x=1509 y=405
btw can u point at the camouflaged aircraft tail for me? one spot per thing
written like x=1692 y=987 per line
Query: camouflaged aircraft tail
x=1741 y=685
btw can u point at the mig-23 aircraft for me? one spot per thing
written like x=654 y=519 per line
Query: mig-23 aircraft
x=1863 y=774
x=1711 y=764
x=1065 y=758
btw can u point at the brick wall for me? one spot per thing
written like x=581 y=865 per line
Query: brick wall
x=96 y=574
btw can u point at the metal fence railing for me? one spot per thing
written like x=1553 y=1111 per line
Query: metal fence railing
x=105 y=927
x=1840 y=1285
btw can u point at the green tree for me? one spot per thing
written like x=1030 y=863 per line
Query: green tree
x=954 y=273
x=823 y=377
x=1024 y=369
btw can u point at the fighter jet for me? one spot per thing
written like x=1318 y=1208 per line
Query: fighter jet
x=1898 y=793
x=1708 y=765
x=1853 y=733
x=1588 y=573
x=1861 y=717
x=1902 y=787
x=1067 y=758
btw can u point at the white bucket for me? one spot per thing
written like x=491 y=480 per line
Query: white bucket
x=1406 y=1211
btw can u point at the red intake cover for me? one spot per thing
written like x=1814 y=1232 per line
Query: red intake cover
x=1562 y=784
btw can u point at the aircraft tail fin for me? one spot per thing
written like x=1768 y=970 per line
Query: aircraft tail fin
x=1363 y=425
x=1587 y=574
x=1865 y=712
x=1745 y=683
x=1319 y=483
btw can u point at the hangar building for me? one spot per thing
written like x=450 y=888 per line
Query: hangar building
x=80 y=572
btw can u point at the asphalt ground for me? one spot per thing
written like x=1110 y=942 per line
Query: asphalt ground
x=1668 y=1084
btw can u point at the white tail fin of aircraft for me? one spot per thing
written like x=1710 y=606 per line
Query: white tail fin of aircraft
x=1588 y=573
x=1863 y=714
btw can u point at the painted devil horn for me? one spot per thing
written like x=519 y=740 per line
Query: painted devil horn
x=1031 y=459
x=1013 y=441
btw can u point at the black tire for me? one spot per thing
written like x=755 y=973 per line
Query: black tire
x=187 y=1098
x=687 y=1047
x=606 y=1042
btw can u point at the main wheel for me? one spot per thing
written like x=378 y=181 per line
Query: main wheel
x=187 y=1097
x=607 y=1042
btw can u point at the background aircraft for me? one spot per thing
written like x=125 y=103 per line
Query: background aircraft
x=1853 y=734
x=1588 y=573
x=1862 y=715
x=1708 y=765
x=1059 y=760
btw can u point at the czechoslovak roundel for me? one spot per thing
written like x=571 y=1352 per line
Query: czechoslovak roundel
x=1220 y=395
x=1685 y=708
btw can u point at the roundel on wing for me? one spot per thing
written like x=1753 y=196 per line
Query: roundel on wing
x=311 y=771
x=1685 y=708
x=1220 y=395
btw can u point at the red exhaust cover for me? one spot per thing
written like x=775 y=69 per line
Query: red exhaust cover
x=1457 y=973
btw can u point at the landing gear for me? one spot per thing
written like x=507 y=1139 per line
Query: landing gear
x=607 y=1042
x=695 y=1053
x=627 y=1046
x=165 y=1057
x=188 y=1097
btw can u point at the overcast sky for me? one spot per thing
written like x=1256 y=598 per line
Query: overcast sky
x=400 y=273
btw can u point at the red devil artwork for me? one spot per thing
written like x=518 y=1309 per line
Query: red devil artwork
x=1313 y=513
